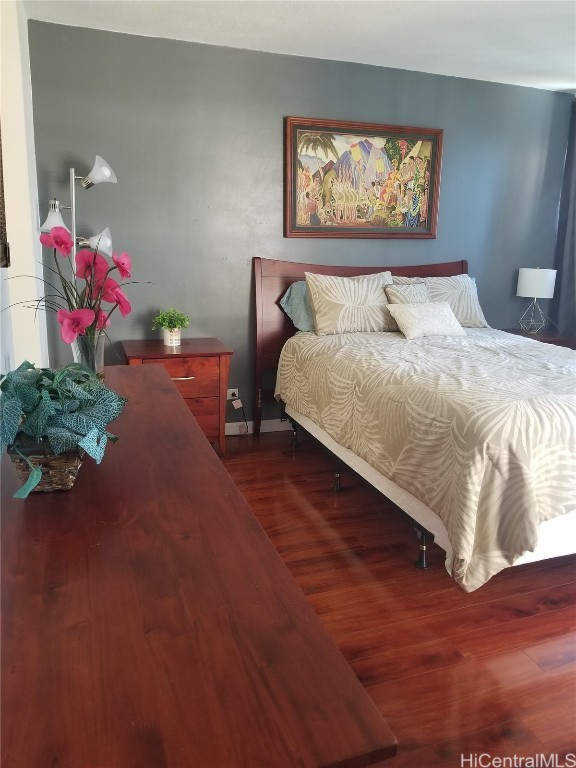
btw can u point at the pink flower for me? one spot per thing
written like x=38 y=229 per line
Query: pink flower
x=91 y=265
x=106 y=290
x=111 y=292
x=74 y=323
x=124 y=264
x=58 y=238
x=123 y=304
x=83 y=301
x=46 y=240
x=102 y=320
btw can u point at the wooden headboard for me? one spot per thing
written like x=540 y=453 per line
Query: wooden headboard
x=274 y=327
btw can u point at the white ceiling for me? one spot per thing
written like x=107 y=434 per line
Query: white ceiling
x=520 y=42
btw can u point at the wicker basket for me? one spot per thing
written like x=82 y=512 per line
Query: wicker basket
x=58 y=471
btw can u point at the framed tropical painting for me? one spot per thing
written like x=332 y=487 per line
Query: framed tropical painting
x=347 y=179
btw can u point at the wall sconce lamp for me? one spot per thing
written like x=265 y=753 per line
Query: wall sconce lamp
x=100 y=172
x=535 y=284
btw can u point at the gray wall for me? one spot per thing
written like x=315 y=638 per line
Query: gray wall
x=195 y=136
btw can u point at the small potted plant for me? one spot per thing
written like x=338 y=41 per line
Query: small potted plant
x=50 y=418
x=171 y=321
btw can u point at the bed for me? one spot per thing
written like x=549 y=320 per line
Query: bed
x=472 y=436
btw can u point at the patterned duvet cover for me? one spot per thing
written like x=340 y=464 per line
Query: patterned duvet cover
x=481 y=428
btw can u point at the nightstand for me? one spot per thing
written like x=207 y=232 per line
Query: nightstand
x=199 y=368
x=548 y=337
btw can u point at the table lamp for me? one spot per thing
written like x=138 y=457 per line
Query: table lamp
x=535 y=284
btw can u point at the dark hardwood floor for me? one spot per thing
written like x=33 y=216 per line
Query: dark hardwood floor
x=491 y=672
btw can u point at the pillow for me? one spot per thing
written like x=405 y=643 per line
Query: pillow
x=460 y=292
x=433 y=319
x=413 y=293
x=399 y=280
x=348 y=304
x=296 y=304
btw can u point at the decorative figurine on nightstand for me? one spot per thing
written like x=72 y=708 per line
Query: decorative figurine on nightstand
x=171 y=321
x=535 y=284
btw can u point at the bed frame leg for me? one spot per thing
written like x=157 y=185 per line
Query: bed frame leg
x=295 y=428
x=422 y=561
x=337 y=487
x=338 y=464
x=295 y=438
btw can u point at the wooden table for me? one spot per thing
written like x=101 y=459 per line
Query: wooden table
x=199 y=368
x=148 y=622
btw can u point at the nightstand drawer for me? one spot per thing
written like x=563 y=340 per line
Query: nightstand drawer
x=193 y=376
x=206 y=412
x=199 y=369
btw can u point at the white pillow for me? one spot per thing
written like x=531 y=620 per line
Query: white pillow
x=433 y=319
x=412 y=293
x=348 y=304
x=460 y=292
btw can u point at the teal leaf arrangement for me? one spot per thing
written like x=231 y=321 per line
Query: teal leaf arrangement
x=69 y=408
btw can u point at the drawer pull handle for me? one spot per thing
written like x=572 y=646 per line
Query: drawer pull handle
x=183 y=378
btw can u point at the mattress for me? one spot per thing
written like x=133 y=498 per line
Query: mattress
x=480 y=429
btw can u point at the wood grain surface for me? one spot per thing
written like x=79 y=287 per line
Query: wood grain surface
x=454 y=674
x=148 y=622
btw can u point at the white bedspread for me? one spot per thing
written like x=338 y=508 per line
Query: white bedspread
x=481 y=428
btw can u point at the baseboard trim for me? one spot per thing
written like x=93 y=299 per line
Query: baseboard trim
x=268 y=425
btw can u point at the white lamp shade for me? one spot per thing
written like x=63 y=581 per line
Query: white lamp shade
x=54 y=218
x=100 y=173
x=536 y=283
x=101 y=242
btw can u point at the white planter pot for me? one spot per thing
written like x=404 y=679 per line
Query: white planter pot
x=172 y=337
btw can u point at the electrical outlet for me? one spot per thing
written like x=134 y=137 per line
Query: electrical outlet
x=232 y=394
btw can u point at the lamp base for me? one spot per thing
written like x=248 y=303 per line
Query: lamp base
x=533 y=320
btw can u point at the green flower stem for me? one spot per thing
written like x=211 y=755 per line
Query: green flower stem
x=65 y=285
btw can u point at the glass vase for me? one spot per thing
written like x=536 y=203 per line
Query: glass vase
x=89 y=351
